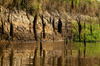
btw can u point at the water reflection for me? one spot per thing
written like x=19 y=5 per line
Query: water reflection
x=51 y=54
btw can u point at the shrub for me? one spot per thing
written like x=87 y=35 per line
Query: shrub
x=89 y=37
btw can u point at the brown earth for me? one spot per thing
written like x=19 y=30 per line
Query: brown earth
x=23 y=29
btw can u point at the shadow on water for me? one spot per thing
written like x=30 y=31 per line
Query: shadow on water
x=51 y=54
x=43 y=60
x=2 y=60
x=11 y=58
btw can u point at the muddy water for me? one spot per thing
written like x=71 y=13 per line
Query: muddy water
x=49 y=54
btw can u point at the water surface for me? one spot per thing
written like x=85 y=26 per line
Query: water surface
x=49 y=54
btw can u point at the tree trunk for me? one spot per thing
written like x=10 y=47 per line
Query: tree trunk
x=34 y=27
x=84 y=36
x=91 y=29
x=53 y=24
x=43 y=24
x=91 y=26
x=11 y=30
x=2 y=28
x=60 y=26
x=80 y=30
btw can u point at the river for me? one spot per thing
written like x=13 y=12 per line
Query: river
x=49 y=54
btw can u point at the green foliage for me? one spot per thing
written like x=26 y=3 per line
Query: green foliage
x=40 y=7
x=89 y=37
x=0 y=2
x=50 y=5
x=18 y=5
x=35 y=8
x=32 y=11
x=23 y=4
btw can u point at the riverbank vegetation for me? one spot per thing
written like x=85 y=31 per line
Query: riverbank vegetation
x=90 y=36
x=83 y=26
x=90 y=7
